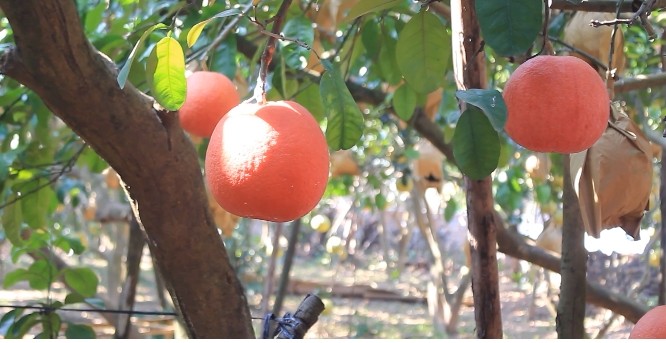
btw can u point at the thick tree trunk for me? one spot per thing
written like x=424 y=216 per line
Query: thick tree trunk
x=157 y=163
x=571 y=308
x=469 y=70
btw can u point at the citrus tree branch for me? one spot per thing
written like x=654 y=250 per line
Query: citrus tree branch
x=54 y=59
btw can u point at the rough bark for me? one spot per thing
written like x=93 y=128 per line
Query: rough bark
x=156 y=161
x=571 y=307
x=469 y=72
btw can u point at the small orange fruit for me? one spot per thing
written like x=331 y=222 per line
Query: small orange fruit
x=556 y=104
x=210 y=95
x=268 y=161
x=651 y=325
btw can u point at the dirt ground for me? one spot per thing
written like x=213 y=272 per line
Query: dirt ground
x=358 y=317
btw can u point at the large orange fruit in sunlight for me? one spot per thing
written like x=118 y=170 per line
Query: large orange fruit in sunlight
x=210 y=95
x=556 y=104
x=268 y=161
x=651 y=325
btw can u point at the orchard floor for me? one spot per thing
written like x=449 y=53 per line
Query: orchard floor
x=358 y=317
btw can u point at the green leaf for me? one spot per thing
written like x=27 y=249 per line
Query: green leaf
x=368 y=6
x=14 y=277
x=166 y=73
x=310 y=98
x=404 y=102
x=79 y=331
x=223 y=59
x=12 y=218
x=490 y=101
x=41 y=274
x=450 y=210
x=371 y=30
x=195 y=31
x=543 y=193
x=423 y=52
x=509 y=27
x=69 y=243
x=94 y=16
x=476 y=145
x=51 y=324
x=38 y=206
x=124 y=72
x=345 y=121
x=82 y=280
x=74 y=298
x=8 y=319
x=300 y=28
x=380 y=201
x=20 y=327
x=387 y=62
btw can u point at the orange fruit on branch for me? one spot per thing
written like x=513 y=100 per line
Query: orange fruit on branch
x=267 y=161
x=556 y=104
x=210 y=95
x=651 y=325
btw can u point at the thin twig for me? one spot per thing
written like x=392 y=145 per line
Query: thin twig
x=269 y=51
x=641 y=16
x=225 y=32
x=595 y=60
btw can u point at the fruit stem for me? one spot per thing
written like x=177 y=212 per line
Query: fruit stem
x=269 y=51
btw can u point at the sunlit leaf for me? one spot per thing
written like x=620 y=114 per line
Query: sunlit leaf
x=166 y=73
x=476 y=145
x=423 y=52
x=299 y=28
x=124 y=72
x=345 y=121
x=195 y=31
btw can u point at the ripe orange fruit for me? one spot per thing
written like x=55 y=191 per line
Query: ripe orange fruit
x=210 y=95
x=556 y=104
x=267 y=161
x=651 y=325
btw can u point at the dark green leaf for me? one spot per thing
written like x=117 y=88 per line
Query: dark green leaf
x=423 y=52
x=476 y=145
x=490 y=101
x=74 y=298
x=404 y=102
x=369 y=34
x=223 y=60
x=368 y=6
x=79 y=331
x=345 y=121
x=82 y=280
x=94 y=16
x=8 y=319
x=12 y=218
x=51 y=324
x=299 y=28
x=509 y=27
x=124 y=72
x=166 y=73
